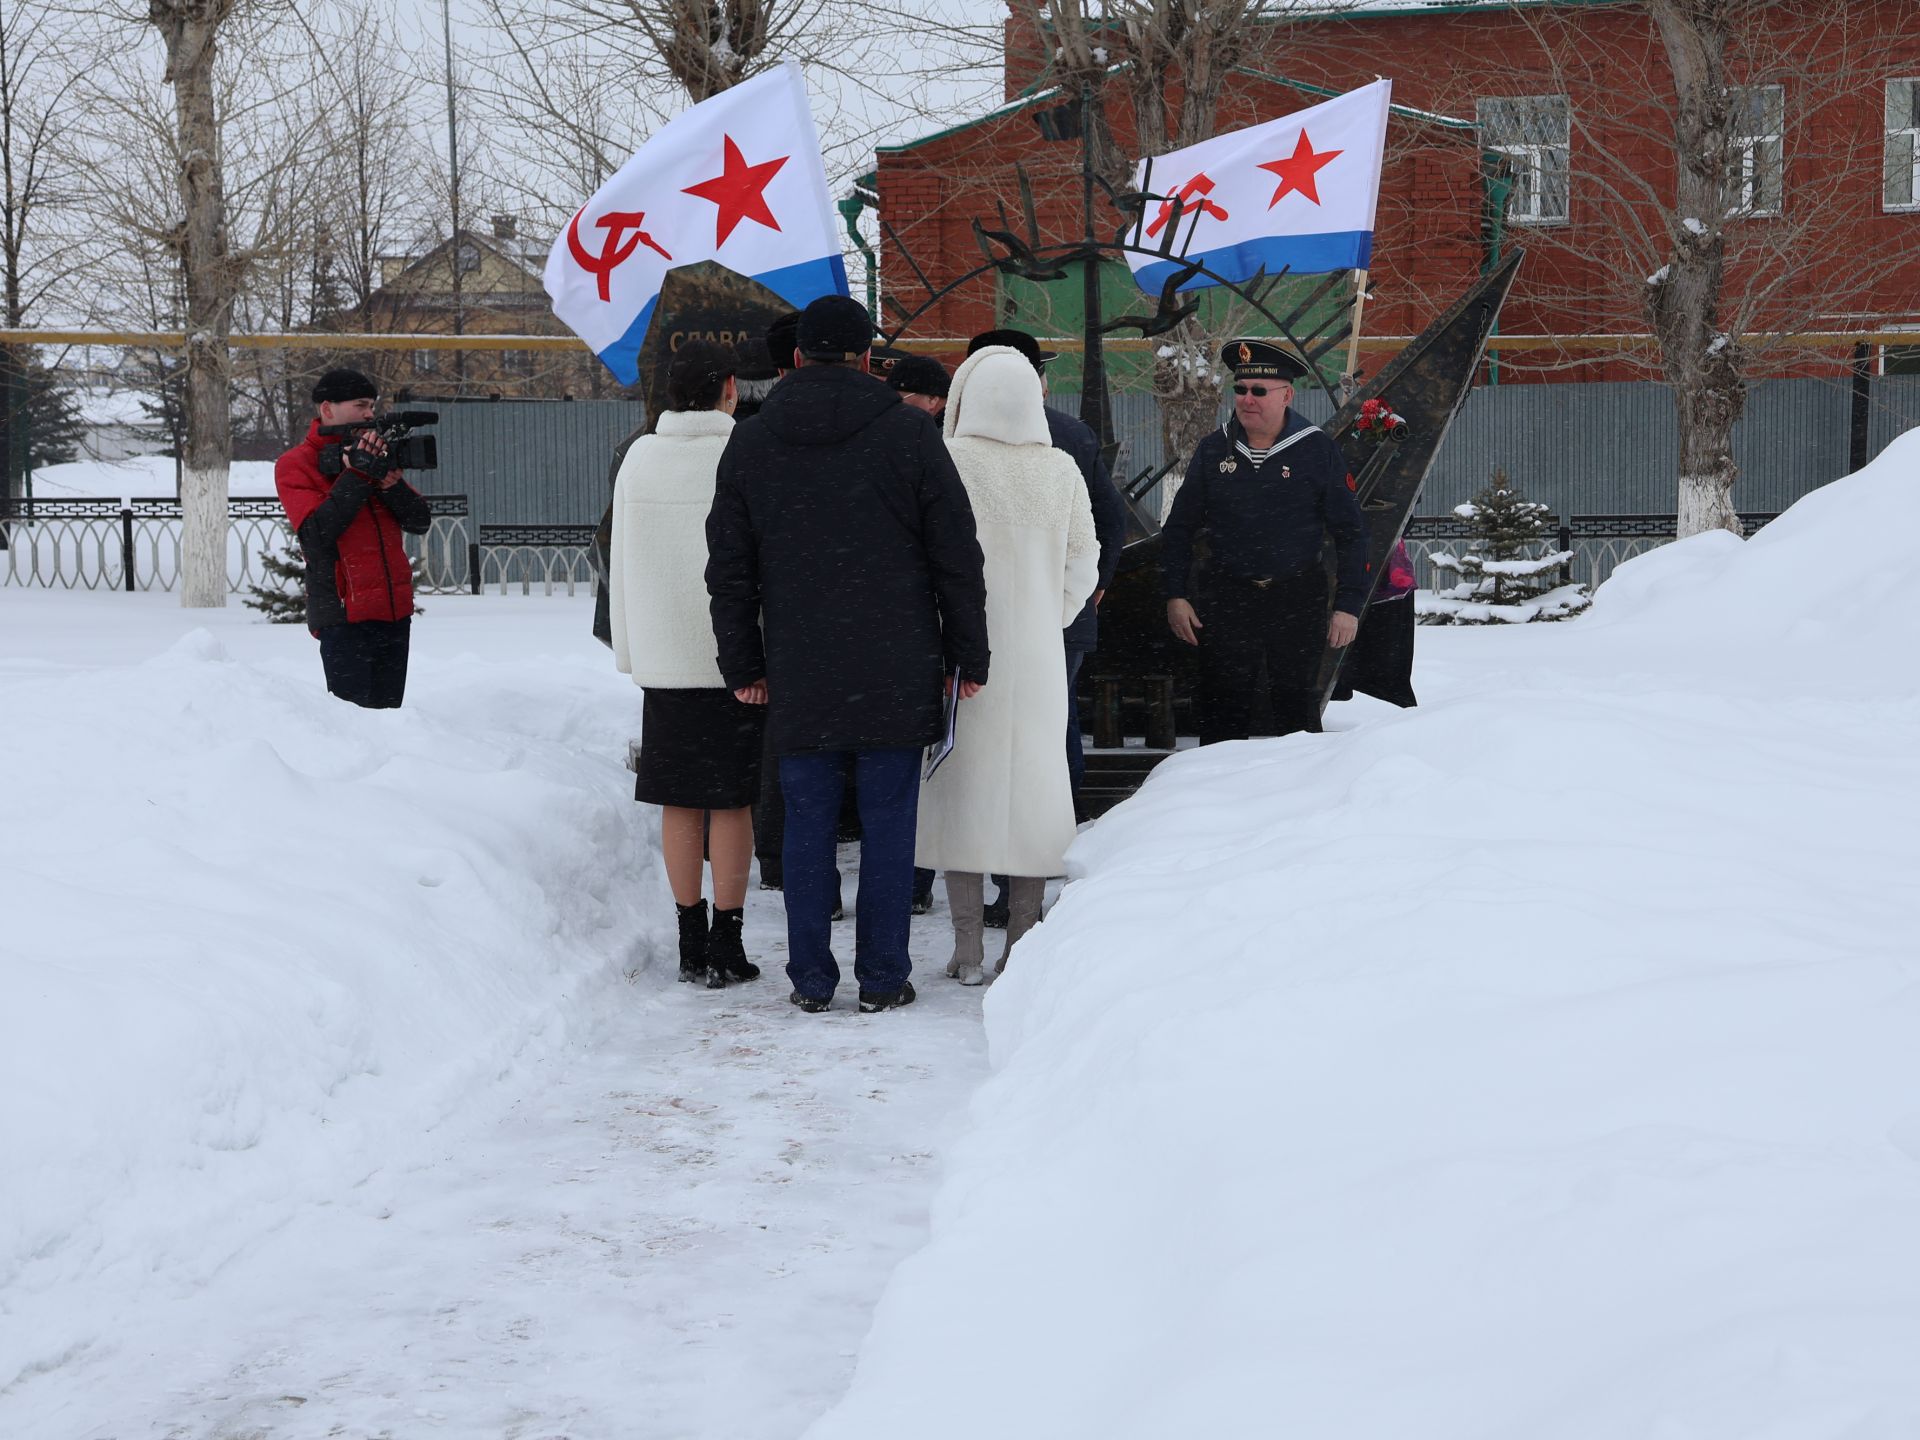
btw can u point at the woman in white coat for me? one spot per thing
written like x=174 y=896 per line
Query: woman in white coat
x=1002 y=802
x=699 y=746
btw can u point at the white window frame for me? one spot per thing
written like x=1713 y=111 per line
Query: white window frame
x=1744 y=163
x=1534 y=159
x=1880 y=351
x=1911 y=133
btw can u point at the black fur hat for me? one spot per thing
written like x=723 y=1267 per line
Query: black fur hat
x=343 y=384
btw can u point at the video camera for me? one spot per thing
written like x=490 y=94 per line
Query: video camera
x=405 y=450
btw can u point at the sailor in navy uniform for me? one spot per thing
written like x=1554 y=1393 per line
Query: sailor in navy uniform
x=1267 y=489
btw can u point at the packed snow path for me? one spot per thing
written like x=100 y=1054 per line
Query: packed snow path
x=349 y=1080
x=682 y=1232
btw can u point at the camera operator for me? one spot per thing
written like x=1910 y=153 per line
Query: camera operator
x=348 y=505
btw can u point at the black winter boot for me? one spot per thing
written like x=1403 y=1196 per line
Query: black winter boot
x=693 y=940
x=726 y=956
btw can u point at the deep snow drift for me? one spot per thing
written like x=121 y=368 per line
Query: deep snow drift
x=1540 y=1064
x=257 y=941
x=328 y=1102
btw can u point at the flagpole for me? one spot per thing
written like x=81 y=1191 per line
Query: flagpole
x=1353 y=338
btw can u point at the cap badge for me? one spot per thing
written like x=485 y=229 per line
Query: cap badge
x=1246 y=352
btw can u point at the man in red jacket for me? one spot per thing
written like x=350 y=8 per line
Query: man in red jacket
x=348 y=507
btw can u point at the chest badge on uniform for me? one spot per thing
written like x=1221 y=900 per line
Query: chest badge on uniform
x=1227 y=467
x=1285 y=473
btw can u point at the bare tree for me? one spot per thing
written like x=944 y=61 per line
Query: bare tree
x=1703 y=203
x=353 y=182
x=206 y=188
x=210 y=279
x=571 y=88
x=1166 y=64
x=37 y=75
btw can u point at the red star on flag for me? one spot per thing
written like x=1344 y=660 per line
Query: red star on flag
x=739 y=191
x=1297 y=171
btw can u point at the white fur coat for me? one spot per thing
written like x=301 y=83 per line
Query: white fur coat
x=1002 y=802
x=662 y=629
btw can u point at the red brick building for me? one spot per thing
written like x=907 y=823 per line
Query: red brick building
x=1564 y=102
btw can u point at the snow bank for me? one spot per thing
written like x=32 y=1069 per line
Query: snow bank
x=1537 y=1065
x=255 y=942
x=143 y=476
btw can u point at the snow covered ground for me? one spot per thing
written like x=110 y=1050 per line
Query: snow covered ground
x=344 y=1090
x=1543 y=1064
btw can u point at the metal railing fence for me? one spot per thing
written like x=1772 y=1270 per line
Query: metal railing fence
x=1600 y=543
x=507 y=555
x=108 y=545
x=105 y=544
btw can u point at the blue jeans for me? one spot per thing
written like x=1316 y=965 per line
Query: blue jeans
x=888 y=793
x=1076 y=754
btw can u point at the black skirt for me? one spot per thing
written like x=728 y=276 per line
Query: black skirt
x=699 y=750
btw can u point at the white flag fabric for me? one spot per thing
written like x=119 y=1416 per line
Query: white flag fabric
x=1297 y=192
x=737 y=179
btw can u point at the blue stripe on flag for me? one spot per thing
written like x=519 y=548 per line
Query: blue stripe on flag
x=809 y=280
x=1305 y=254
x=795 y=284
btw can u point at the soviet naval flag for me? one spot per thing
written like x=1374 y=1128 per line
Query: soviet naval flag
x=737 y=179
x=1297 y=193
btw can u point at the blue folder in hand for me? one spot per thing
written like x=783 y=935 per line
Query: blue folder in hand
x=943 y=747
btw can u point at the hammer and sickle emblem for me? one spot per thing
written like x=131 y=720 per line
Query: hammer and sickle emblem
x=1246 y=352
x=615 y=249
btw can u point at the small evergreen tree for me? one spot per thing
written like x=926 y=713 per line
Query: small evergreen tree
x=40 y=422
x=54 y=426
x=281 y=594
x=1510 y=571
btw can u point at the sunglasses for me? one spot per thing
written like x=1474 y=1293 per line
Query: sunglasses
x=1256 y=390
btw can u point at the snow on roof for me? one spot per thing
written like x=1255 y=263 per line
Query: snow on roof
x=143 y=477
x=117 y=407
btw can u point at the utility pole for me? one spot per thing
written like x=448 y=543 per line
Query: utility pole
x=453 y=184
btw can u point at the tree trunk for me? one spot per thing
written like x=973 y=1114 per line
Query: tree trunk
x=190 y=28
x=1707 y=405
x=1704 y=365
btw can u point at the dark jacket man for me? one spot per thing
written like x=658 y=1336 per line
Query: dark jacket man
x=840 y=523
x=1076 y=438
x=1270 y=520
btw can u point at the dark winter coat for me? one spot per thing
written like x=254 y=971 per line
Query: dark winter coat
x=1077 y=439
x=349 y=530
x=840 y=523
x=1268 y=521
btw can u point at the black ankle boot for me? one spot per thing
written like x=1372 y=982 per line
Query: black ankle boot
x=726 y=956
x=693 y=940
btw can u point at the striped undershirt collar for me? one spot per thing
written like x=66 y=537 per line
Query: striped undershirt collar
x=1259 y=457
